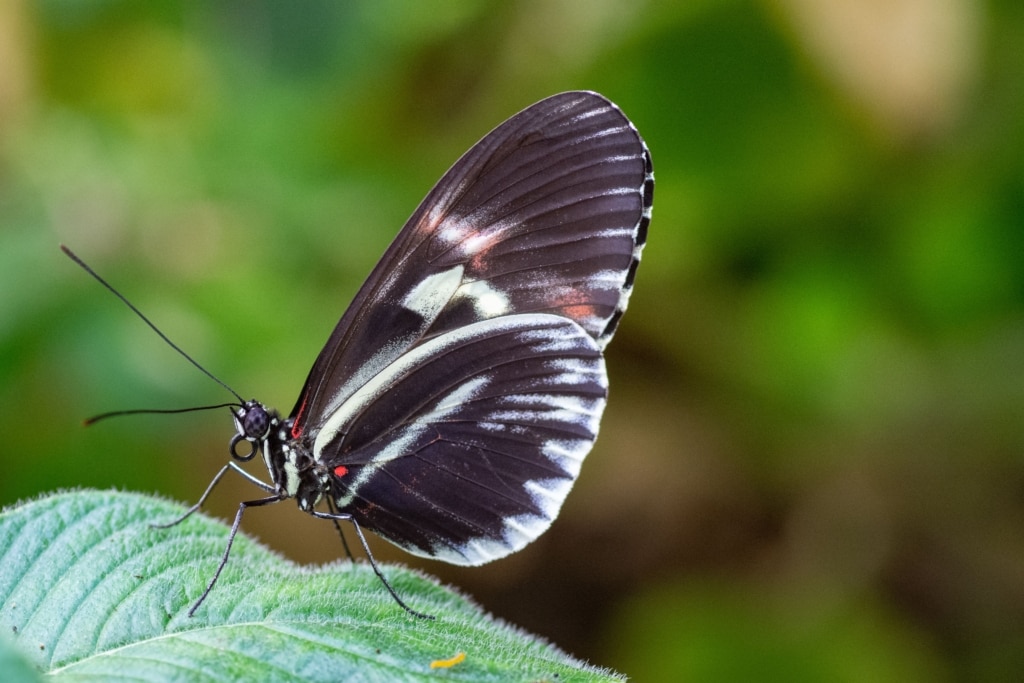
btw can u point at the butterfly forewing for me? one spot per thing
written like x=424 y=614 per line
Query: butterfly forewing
x=457 y=397
x=547 y=213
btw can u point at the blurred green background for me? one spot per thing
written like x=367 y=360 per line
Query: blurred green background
x=812 y=464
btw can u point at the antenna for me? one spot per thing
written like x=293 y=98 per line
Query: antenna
x=154 y=411
x=163 y=336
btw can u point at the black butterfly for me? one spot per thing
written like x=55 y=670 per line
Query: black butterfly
x=457 y=397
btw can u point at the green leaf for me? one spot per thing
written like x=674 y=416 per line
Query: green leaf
x=89 y=591
x=14 y=665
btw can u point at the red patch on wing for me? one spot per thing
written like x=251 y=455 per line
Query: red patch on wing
x=340 y=471
x=579 y=311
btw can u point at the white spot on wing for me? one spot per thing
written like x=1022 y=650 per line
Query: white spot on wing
x=488 y=302
x=431 y=294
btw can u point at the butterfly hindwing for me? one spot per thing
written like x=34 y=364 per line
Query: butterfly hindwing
x=464 y=448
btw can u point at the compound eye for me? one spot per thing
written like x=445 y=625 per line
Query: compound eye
x=255 y=422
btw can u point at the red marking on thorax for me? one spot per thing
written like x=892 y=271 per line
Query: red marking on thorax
x=297 y=425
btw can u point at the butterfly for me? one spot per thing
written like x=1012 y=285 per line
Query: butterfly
x=453 y=404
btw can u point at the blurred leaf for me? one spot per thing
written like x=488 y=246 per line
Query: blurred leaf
x=729 y=632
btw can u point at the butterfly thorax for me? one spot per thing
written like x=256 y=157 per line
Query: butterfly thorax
x=292 y=467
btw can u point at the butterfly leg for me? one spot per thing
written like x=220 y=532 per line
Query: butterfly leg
x=343 y=517
x=231 y=539
x=341 y=534
x=209 y=489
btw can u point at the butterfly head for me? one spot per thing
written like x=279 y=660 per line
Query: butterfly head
x=292 y=467
x=253 y=424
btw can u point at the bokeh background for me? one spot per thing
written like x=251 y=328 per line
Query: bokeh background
x=812 y=464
